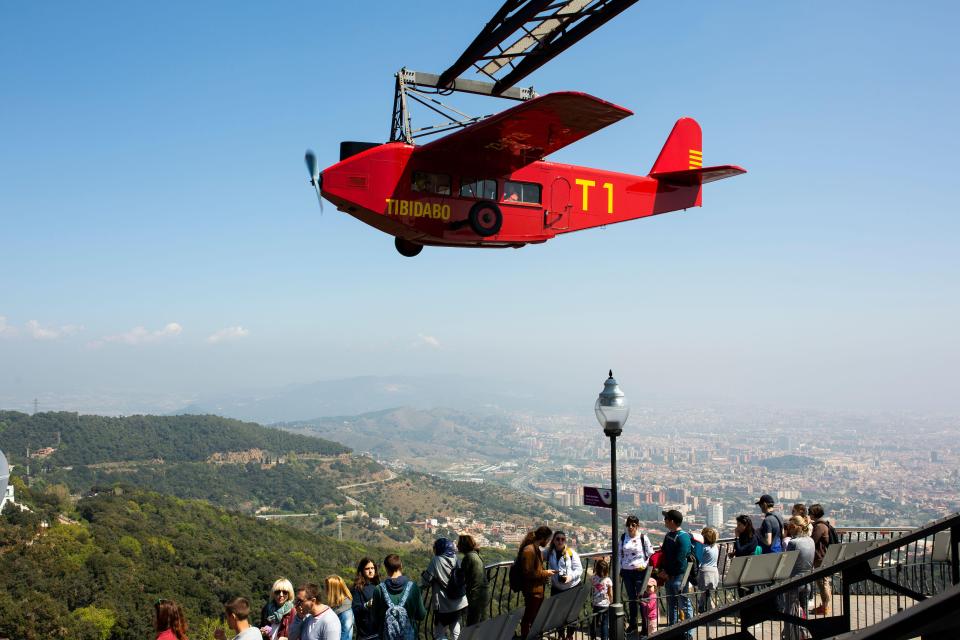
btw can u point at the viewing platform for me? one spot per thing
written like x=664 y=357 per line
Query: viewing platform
x=888 y=583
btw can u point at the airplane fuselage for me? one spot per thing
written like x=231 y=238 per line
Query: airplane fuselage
x=389 y=187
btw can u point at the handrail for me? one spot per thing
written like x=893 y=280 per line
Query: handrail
x=853 y=569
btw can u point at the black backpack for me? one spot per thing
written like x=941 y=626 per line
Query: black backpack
x=692 y=560
x=516 y=575
x=832 y=537
x=456 y=586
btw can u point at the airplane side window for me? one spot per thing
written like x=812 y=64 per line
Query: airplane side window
x=527 y=192
x=424 y=182
x=475 y=188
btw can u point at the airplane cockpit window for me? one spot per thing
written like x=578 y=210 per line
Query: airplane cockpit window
x=424 y=182
x=476 y=188
x=522 y=192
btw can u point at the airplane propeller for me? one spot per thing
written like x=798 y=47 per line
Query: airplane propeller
x=316 y=180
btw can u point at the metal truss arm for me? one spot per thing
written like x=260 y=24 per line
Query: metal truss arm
x=560 y=40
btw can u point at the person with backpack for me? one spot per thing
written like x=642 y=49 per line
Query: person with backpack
x=528 y=575
x=823 y=536
x=448 y=590
x=771 y=529
x=397 y=604
x=635 y=554
x=677 y=550
x=475 y=576
x=566 y=562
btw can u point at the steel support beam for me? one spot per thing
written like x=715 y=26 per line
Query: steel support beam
x=562 y=41
x=495 y=32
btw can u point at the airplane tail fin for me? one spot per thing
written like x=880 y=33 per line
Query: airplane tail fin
x=683 y=149
x=680 y=162
x=679 y=168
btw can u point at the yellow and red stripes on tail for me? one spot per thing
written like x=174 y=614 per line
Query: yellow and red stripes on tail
x=683 y=149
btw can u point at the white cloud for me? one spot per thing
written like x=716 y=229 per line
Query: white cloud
x=140 y=335
x=427 y=341
x=7 y=330
x=228 y=334
x=38 y=332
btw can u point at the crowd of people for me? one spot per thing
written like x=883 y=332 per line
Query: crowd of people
x=387 y=606
x=806 y=531
x=391 y=606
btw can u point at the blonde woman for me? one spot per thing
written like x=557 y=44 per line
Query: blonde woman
x=797 y=602
x=337 y=596
x=277 y=615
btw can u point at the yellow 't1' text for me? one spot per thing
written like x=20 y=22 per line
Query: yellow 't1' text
x=586 y=185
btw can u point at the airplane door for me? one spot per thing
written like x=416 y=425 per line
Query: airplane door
x=557 y=217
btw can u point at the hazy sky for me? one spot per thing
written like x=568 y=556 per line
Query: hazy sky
x=159 y=234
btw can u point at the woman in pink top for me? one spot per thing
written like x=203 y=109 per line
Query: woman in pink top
x=169 y=621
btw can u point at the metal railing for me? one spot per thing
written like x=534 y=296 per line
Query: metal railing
x=905 y=568
x=912 y=561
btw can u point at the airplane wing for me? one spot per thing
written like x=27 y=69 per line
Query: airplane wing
x=523 y=134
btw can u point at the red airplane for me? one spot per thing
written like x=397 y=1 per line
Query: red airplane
x=488 y=185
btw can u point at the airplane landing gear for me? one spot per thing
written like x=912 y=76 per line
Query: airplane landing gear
x=406 y=248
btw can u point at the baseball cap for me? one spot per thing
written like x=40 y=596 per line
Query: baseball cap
x=766 y=499
x=673 y=515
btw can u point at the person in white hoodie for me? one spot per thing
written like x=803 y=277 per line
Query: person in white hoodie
x=569 y=571
x=446 y=609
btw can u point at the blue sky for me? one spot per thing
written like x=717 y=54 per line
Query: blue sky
x=159 y=235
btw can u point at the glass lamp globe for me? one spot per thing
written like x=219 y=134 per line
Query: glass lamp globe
x=612 y=408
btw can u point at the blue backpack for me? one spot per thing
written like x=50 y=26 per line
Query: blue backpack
x=776 y=545
x=396 y=624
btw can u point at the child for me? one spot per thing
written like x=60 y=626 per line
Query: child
x=602 y=595
x=709 y=577
x=648 y=604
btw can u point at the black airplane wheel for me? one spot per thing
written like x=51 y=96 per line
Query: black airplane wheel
x=485 y=219
x=406 y=248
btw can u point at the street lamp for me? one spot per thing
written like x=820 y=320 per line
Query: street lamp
x=612 y=412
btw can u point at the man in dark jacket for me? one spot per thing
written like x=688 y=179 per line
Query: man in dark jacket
x=676 y=547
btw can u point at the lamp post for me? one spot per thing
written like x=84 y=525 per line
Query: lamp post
x=612 y=411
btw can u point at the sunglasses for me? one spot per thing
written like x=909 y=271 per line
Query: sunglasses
x=279 y=592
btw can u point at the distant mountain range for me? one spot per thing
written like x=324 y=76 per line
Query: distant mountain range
x=430 y=436
x=365 y=394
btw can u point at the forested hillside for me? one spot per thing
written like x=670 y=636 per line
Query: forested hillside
x=88 y=439
x=97 y=578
